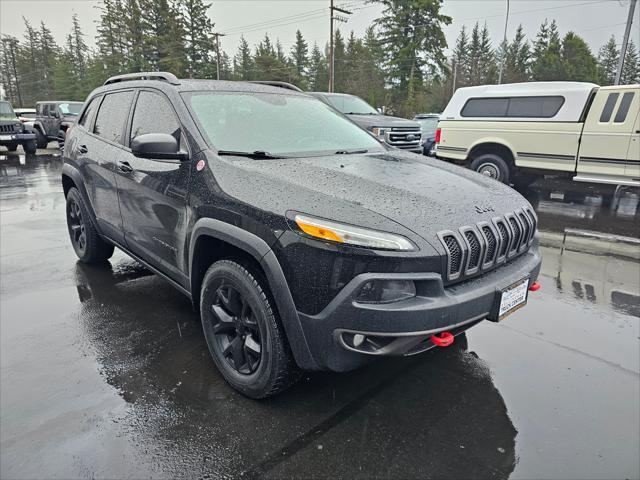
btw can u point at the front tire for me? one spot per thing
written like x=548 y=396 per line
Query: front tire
x=86 y=241
x=12 y=147
x=493 y=166
x=41 y=140
x=30 y=147
x=243 y=331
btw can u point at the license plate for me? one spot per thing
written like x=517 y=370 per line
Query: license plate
x=512 y=298
x=5 y=137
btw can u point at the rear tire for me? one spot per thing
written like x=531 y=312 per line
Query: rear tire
x=87 y=242
x=492 y=166
x=243 y=331
x=61 y=138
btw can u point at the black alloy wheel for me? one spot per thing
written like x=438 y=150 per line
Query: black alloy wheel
x=236 y=330
x=77 y=229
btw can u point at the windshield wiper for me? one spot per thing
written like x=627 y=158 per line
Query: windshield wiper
x=360 y=113
x=350 y=152
x=256 y=154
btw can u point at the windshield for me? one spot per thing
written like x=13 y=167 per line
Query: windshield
x=278 y=124
x=428 y=125
x=6 y=111
x=70 y=108
x=350 y=104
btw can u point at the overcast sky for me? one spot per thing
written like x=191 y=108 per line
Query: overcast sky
x=595 y=20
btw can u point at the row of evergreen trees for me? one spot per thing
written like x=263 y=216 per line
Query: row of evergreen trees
x=399 y=61
x=548 y=57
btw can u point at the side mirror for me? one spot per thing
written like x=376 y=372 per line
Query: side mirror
x=157 y=145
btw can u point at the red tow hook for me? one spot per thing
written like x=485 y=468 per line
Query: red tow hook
x=443 y=339
x=534 y=287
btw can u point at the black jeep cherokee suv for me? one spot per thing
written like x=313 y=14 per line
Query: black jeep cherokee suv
x=303 y=241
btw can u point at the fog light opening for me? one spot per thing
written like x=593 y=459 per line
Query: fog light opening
x=386 y=291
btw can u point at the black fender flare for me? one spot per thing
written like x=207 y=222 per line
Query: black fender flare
x=74 y=174
x=257 y=248
x=37 y=125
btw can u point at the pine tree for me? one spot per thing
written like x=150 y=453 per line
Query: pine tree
x=631 y=68
x=461 y=58
x=300 y=60
x=318 y=79
x=578 y=62
x=243 y=61
x=547 y=60
x=608 y=62
x=340 y=58
x=411 y=33
x=199 y=38
x=482 y=67
x=49 y=51
x=517 y=59
x=111 y=30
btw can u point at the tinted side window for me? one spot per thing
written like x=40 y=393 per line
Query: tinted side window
x=540 y=107
x=623 y=109
x=154 y=114
x=112 y=116
x=605 y=116
x=85 y=120
x=45 y=110
x=485 y=107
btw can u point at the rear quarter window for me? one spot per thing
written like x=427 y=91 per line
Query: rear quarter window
x=607 y=110
x=623 y=109
x=87 y=115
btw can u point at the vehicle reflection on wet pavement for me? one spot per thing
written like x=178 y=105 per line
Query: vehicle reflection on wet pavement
x=105 y=372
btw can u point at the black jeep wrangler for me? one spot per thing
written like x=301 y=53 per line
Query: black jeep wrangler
x=303 y=241
x=53 y=118
x=12 y=132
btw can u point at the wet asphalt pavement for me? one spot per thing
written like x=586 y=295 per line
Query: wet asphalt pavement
x=105 y=373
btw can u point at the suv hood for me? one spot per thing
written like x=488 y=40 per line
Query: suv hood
x=384 y=121
x=423 y=195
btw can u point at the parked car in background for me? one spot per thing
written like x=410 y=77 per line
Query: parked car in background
x=12 y=131
x=52 y=120
x=395 y=132
x=517 y=132
x=25 y=115
x=305 y=244
x=428 y=124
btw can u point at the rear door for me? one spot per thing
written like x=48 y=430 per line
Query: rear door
x=607 y=134
x=153 y=192
x=103 y=148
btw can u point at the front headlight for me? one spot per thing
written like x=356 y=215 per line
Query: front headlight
x=378 y=133
x=351 y=235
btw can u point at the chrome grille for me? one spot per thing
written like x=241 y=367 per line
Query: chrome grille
x=482 y=247
x=403 y=137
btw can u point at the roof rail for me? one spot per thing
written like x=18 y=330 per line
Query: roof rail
x=162 y=76
x=275 y=83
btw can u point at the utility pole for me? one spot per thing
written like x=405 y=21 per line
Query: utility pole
x=504 y=45
x=337 y=18
x=623 y=49
x=218 y=35
x=455 y=75
x=12 y=44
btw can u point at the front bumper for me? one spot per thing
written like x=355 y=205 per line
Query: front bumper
x=16 y=137
x=405 y=327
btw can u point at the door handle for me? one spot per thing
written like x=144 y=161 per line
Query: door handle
x=83 y=149
x=124 y=166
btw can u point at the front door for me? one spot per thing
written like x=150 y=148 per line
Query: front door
x=632 y=168
x=607 y=132
x=153 y=192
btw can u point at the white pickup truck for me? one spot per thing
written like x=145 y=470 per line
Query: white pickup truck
x=517 y=132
